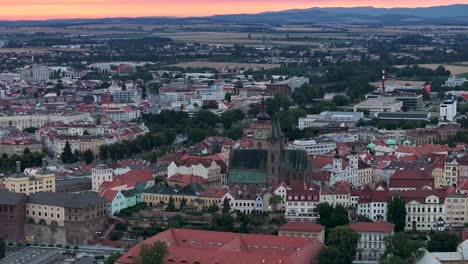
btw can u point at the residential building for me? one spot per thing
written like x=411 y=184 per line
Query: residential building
x=36 y=73
x=42 y=181
x=448 y=110
x=300 y=204
x=304 y=230
x=12 y=215
x=455 y=208
x=161 y=194
x=313 y=146
x=25 y=121
x=16 y=146
x=453 y=81
x=373 y=203
x=223 y=247
x=371 y=245
x=424 y=209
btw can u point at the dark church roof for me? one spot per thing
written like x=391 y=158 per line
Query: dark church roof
x=294 y=160
x=276 y=130
x=250 y=159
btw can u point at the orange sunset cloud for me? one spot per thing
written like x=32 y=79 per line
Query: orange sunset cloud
x=46 y=9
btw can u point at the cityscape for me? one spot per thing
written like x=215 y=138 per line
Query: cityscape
x=216 y=133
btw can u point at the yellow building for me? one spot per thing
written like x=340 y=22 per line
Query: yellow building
x=439 y=174
x=162 y=193
x=42 y=181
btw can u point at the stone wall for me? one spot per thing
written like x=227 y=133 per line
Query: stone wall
x=48 y=235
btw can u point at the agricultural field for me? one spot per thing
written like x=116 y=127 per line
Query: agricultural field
x=454 y=68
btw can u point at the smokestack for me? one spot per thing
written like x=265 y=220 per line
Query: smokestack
x=18 y=166
x=44 y=163
x=383 y=82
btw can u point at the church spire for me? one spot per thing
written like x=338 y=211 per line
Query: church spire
x=263 y=115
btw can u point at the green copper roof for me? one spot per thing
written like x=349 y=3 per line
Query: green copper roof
x=407 y=142
x=250 y=159
x=371 y=146
x=391 y=142
x=294 y=160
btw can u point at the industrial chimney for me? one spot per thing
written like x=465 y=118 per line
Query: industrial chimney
x=18 y=166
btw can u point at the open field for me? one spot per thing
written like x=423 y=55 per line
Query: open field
x=34 y=50
x=253 y=39
x=231 y=65
x=455 y=68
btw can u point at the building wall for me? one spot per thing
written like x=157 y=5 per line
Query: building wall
x=12 y=221
x=45 y=214
x=28 y=185
x=423 y=216
x=371 y=247
x=18 y=149
x=320 y=236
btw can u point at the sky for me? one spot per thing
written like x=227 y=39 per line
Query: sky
x=47 y=9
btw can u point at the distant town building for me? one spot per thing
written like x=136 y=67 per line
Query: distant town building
x=36 y=73
x=381 y=104
x=448 y=110
x=453 y=81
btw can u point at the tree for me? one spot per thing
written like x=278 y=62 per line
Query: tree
x=340 y=100
x=170 y=206
x=401 y=246
x=226 y=206
x=2 y=248
x=152 y=253
x=397 y=213
x=103 y=152
x=227 y=97
x=345 y=241
x=76 y=156
x=274 y=201
x=183 y=203
x=112 y=258
x=443 y=242
x=331 y=255
x=67 y=154
x=212 y=209
x=339 y=216
x=88 y=156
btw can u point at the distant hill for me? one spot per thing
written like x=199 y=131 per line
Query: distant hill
x=438 y=15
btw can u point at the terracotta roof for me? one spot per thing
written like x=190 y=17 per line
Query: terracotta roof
x=319 y=162
x=109 y=195
x=185 y=178
x=198 y=246
x=382 y=227
x=464 y=185
x=298 y=226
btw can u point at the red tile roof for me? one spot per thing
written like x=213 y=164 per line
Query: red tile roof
x=319 y=162
x=298 y=226
x=109 y=195
x=382 y=227
x=411 y=178
x=198 y=246
x=185 y=178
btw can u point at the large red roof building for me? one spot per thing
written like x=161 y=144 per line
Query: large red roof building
x=209 y=247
